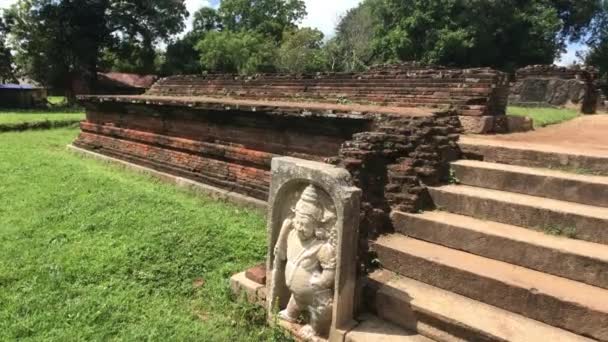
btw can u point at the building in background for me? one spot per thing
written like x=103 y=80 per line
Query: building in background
x=22 y=96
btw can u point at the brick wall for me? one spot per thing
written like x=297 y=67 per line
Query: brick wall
x=473 y=92
x=392 y=154
x=550 y=85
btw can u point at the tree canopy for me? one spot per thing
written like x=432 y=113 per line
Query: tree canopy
x=598 y=42
x=55 y=41
x=6 y=61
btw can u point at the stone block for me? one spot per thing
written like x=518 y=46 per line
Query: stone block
x=519 y=124
x=254 y=293
x=477 y=124
x=312 y=257
x=257 y=274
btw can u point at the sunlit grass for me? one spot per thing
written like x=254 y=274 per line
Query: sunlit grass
x=91 y=252
x=544 y=116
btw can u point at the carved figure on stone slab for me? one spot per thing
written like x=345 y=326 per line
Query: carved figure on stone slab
x=307 y=242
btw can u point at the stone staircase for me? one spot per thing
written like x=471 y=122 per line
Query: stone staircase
x=516 y=250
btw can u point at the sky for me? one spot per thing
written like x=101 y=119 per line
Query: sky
x=324 y=15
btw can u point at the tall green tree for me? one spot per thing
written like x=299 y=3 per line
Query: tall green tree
x=60 y=43
x=181 y=56
x=300 y=51
x=352 y=48
x=598 y=42
x=6 y=61
x=243 y=52
x=268 y=17
x=505 y=34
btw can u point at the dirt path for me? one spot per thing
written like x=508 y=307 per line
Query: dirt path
x=583 y=134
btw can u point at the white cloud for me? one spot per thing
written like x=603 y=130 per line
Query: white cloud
x=325 y=14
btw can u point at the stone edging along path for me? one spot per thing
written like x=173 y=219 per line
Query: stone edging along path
x=35 y=125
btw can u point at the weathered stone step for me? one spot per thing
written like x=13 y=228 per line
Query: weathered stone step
x=573 y=220
x=513 y=153
x=565 y=186
x=446 y=316
x=573 y=259
x=567 y=304
x=374 y=329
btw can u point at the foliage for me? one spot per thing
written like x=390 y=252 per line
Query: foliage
x=544 y=116
x=503 y=34
x=268 y=17
x=181 y=57
x=598 y=42
x=206 y=19
x=300 y=51
x=52 y=54
x=6 y=60
x=352 y=48
x=243 y=52
x=93 y=252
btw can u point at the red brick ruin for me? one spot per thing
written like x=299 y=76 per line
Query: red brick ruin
x=394 y=128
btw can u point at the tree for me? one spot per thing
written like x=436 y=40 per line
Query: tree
x=59 y=43
x=206 y=19
x=503 y=34
x=598 y=42
x=300 y=51
x=268 y=17
x=352 y=48
x=242 y=52
x=181 y=56
x=6 y=61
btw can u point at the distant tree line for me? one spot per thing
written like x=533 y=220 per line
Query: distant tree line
x=52 y=40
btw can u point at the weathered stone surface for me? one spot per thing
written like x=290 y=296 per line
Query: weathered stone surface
x=372 y=329
x=480 y=91
x=568 y=258
x=252 y=291
x=559 y=185
x=571 y=219
x=533 y=155
x=257 y=274
x=446 y=316
x=563 y=303
x=517 y=124
x=477 y=124
x=549 y=85
x=313 y=234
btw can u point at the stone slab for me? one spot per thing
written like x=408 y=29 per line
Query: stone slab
x=241 y=286
x=477 y=124
x=573 y=259
x=196 y=187
x=257 y=274
x=559 y=302
x=373 y=329
x=569 y=219
x=450 y=317
x=560 y=185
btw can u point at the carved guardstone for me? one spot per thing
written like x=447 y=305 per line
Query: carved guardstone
x=312 y=258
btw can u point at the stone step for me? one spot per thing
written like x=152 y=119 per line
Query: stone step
x=534 y=155
x=560 y=302
x=449 y=317
x=573 y=259
x=569 y=219
x=565 y=186
x=374 y=329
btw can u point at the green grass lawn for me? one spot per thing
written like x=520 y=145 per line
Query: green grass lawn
x=19 y=116
x=93 y=252
x=544 y=116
